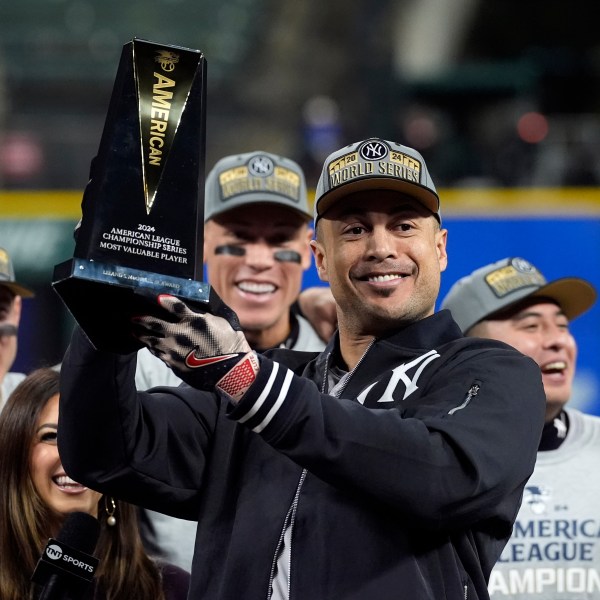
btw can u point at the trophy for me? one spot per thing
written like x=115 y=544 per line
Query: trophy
x=141 y=231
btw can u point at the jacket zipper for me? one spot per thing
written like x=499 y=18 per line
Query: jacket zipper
x=346 y=377
x=473 y=391
x=292 y=510
x=289 y=518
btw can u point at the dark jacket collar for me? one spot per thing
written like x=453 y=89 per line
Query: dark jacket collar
x=425 y=334
x=436 y=329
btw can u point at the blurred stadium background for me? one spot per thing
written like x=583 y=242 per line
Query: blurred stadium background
x=501 y=97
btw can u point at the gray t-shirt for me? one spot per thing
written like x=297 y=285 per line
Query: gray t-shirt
x=554 y=551
x=9 y=383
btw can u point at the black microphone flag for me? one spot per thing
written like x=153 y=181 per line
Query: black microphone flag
x=66 y=566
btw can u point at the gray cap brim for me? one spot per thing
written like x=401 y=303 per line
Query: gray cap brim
x=17 y=289
x=572 y=294
x=425 y=196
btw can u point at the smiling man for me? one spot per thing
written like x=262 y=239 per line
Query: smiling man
x=388 y=466
x=256 y=246
x=551 y=554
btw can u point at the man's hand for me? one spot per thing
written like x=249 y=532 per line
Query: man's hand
x=203 y=349
x=319 y=308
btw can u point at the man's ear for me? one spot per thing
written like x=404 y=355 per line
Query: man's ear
x=441 y=239
x=320 y=260
x=306 y=251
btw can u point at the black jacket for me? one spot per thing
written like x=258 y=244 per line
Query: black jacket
x=406 y=487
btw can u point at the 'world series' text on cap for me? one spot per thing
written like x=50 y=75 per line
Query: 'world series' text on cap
x=375 y=164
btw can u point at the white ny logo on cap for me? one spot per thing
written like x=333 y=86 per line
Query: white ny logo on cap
x=373 y=150
x=260 y=165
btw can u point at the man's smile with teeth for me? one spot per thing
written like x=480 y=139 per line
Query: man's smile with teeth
x=389 y=277
x=256 y=288
x=557 y=365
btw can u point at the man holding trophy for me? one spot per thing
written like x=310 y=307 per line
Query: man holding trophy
x=390 y=465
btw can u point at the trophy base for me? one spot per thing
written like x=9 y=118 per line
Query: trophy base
x=102 y=299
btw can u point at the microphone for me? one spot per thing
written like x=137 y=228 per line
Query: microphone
x=66 y=566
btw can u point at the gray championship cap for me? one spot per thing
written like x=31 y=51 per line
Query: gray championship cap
x=375 y=164
x=7 y=276
x=255 y=177
x=500 y=285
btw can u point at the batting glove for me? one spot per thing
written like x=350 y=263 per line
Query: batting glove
x=203 y=349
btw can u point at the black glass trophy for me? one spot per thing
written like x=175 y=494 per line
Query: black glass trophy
x=141 y=231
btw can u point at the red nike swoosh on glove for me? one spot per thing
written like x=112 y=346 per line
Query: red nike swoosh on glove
x=193 y=362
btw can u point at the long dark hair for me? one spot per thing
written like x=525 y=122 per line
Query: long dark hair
x=125 y=570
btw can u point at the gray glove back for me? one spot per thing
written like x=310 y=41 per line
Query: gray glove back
x=200 y=347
